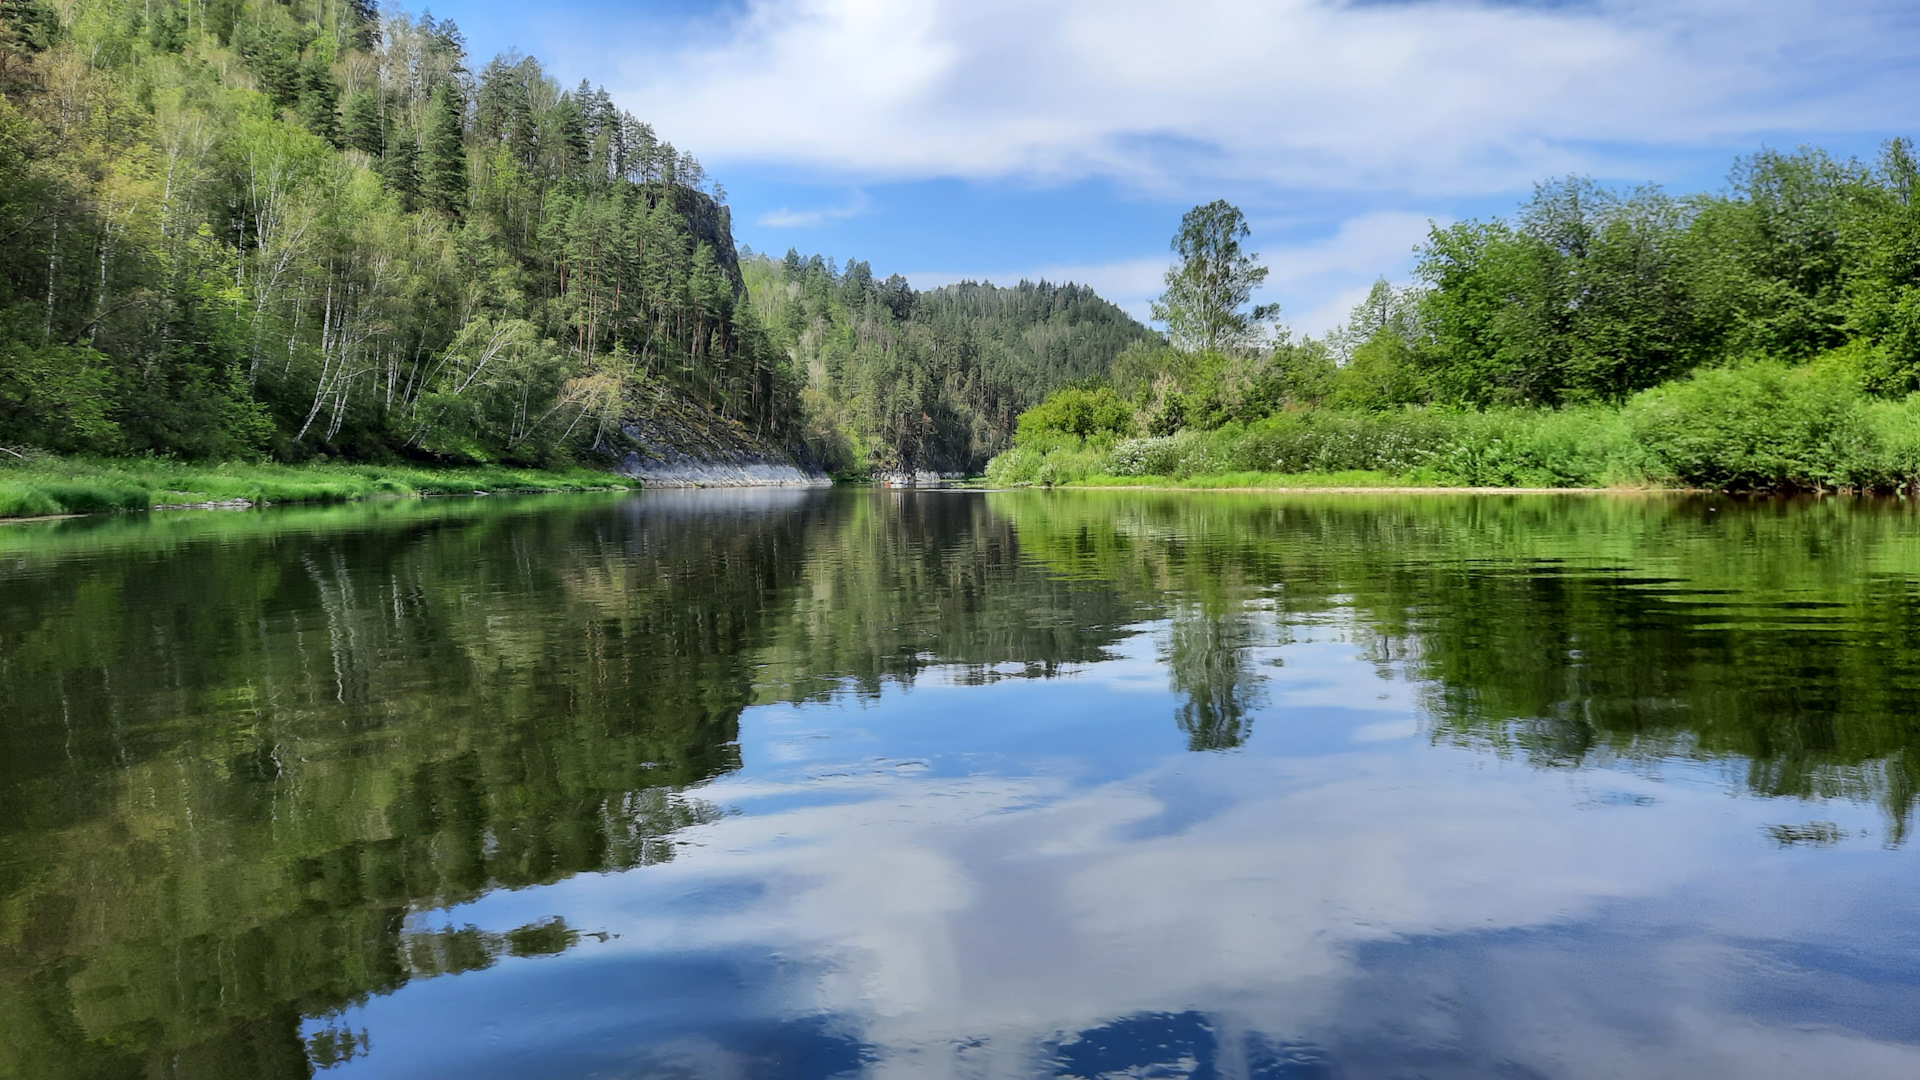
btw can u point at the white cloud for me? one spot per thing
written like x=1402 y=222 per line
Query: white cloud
x=1438 y=97
x=784 y=218
x=939 y=914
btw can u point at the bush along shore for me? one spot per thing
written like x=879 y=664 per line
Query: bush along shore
x=1750 y=427
x=43 y=486
x=1762 y=338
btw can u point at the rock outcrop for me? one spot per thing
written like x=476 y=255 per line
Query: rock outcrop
x=669 y=441
x=670 y=468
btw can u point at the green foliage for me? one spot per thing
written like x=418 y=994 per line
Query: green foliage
x=1588 y=298
x=1593 y=295
x=1075 y=411
x=1213 y=281
x=37 y=485
x=56 y=397
x=443 y=153
x=1754 y=340
x=206 y=259
x=1382 y=373
x=899 y=380
x=1048 y=461
x=1497 y=448
x=1761 y=426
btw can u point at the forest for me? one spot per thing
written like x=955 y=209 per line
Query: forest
x=260 y=230
x=1766 y=336
x=293 y=233
x=257 y=231
x=899 y=381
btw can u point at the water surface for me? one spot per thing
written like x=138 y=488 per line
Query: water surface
x=810 y=784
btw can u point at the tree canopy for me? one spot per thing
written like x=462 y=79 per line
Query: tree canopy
x=1214 y=281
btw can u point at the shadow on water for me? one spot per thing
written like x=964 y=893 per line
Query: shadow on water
x=244 y=753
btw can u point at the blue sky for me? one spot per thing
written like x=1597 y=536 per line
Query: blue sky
x=997 y=139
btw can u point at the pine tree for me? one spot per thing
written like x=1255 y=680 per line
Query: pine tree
x=364 y=130
x=443 y=181
x=572 y=127
x=320 y=102
x=400 y=169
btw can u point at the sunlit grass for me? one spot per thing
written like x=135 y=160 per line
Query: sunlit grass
x=1354 y=478
x=46 y=486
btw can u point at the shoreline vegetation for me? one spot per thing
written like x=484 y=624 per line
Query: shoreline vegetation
x=1753 y=428
x=1765 y=339
x=322 y=235
x=323 y=231
x=46 y=486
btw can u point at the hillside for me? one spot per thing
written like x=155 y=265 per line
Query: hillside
x=899 y=381
x=309 y=230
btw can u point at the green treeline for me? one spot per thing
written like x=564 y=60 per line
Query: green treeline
x=247 y=229
x=1767 y=336
x=898 y=380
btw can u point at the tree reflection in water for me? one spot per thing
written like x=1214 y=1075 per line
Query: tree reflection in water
x=248 y=758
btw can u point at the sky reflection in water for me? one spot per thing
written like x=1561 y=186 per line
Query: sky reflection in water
x=1278 y=817
x=958 y=880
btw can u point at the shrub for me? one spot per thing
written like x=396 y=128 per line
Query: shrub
x=1075 y=412
x=1057 y=461
x=1760 y=426
x=25 y=500
x=1156 y=455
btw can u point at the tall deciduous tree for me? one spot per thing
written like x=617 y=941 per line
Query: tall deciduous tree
x=1204 y=307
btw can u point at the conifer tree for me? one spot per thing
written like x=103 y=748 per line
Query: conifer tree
x=443 y=153
x=364 y=130
x=400 y=170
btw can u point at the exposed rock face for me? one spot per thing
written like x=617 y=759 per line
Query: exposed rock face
x=671 y=442
x=709 y=222
x=671 y=468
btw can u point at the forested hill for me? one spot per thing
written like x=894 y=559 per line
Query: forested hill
x=256 y=228
x=899 y=380
x=250 y=228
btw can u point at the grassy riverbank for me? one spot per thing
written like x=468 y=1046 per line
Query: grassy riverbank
x=1756 y=427
x=43 y=486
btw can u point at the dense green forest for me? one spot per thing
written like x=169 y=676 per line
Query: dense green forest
x=898 y=380
x=244 y=229
x=1765 y=336
x=251 y=230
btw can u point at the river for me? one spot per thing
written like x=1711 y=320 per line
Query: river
x=805 y=783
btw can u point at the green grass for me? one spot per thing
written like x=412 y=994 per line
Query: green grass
x=53 y=485
x=1349 y=478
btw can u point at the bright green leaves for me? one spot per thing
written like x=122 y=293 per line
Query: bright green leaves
x=1213 y=282
x=1078 y=412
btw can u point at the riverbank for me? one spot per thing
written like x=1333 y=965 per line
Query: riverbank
x=1757 y=428
x=1348 y=483
x=52 y=486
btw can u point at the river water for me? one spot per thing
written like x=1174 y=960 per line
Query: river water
x=957 y=784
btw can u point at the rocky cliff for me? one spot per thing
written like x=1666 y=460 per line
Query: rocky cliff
x=669 y=441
